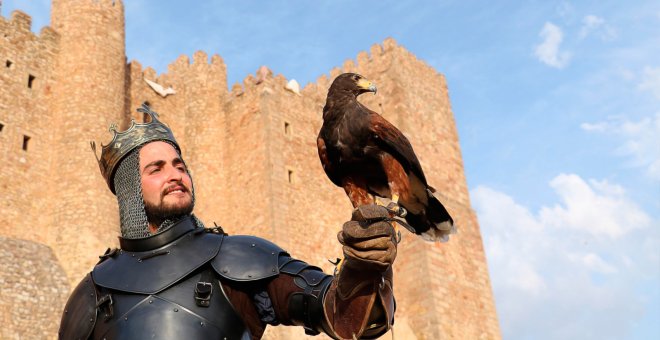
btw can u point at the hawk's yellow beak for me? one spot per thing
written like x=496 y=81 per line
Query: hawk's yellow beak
x=366 y=86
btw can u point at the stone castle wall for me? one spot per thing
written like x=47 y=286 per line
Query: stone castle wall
x=26 y=74
x=251 y=151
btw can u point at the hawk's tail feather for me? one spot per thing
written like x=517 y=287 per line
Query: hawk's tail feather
x=434 y=223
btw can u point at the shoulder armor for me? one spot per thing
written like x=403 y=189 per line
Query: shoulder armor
x=79 y=316
x=247 y=258
x=149 y=272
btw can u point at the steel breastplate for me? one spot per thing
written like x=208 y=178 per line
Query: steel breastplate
x=169 y=314
x=147 y=290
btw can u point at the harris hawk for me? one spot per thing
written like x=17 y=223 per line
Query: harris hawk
x=374 y=162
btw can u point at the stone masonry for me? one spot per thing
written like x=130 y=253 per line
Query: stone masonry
x=252 y=154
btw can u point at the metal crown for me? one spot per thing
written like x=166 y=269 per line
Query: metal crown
x=126 y=141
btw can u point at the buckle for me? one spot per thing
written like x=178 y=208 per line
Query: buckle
x=106 y=300
x=203 y=291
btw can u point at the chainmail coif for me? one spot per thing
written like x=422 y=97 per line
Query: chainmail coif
x=128 y=187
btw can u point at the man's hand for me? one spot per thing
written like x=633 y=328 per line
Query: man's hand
x=369 y=239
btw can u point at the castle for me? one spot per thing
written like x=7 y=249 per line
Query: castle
x=252 y=153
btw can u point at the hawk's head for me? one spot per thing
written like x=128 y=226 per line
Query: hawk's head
x=352 y=83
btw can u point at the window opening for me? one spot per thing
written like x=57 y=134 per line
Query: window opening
x=26 y=139
x=290 y=175
x=30 y=81
x=1 y=126
x=287 y=128
x=8 y=63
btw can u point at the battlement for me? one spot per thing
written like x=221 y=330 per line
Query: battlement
x=18 y=28
x=182 y=69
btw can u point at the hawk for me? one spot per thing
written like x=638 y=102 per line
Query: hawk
x=375 y=163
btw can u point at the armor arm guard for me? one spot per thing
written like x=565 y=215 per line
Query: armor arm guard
x=304 y=306
x=314 y=302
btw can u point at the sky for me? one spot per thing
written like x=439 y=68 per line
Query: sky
x=557 y=108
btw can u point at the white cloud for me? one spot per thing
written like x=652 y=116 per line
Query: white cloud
x=597 y=264
x=592 y=24
x=651 y=81
x=641 y=143
x=564 y=277
x=589 y=24
x=548 y=50
x=599 y=209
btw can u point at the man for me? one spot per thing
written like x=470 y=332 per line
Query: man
x=174 y=279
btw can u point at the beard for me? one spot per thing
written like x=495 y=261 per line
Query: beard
x=161 y=212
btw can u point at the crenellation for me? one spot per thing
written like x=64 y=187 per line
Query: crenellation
x=200 y=58
x=150 y=73
x=49 y=36
x=349 y=66
x=181 y=63
x=335 y=72
x=21 y=21
x=376 y=51
x=362 y=59
x=389 y=45
x=237 y=90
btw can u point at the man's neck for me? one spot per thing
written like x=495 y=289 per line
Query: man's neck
x=152 y=228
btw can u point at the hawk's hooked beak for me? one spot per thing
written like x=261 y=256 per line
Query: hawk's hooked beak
x=366 y=86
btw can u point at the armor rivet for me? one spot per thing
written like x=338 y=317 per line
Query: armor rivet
x=132 y=255
x=273 y=270
x=151 y=301
x=176 y=309
x=91 y=294
x=139 y=260
x=66 y=311
x=201 y=323
x=126 y=318
x=249 y=275
x=253 y=244
x=272 y=253
x=91 y=320
x=224 y=270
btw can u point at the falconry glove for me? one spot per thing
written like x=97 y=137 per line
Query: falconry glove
x=369 y=241
x=363 y=285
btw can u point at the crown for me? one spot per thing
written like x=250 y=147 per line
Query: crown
x=126 y=141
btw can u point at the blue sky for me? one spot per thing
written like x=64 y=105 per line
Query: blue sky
x=557 y=107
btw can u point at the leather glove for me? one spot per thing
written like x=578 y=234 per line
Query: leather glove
x=369 y=240
x=363 y=302
x=369 y=246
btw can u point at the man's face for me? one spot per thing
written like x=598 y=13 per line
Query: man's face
x=166 y=185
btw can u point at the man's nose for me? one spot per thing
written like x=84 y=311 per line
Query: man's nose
x=174 y=174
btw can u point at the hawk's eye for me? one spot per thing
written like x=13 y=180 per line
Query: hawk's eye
x=356 y=77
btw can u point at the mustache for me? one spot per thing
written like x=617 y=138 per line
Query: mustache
x=176 y=186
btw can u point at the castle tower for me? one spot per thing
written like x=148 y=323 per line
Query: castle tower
x=89 y=91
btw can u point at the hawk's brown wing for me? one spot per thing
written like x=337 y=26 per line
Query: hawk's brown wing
x=328 y=165
x=391 y=140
